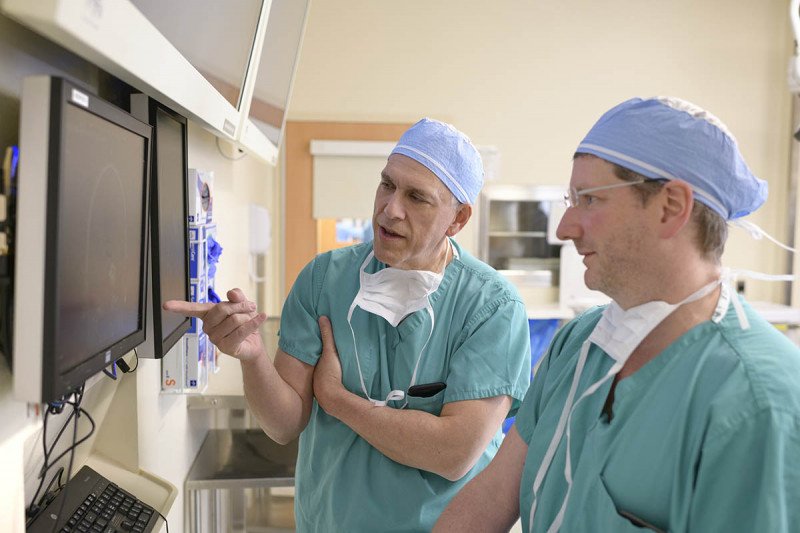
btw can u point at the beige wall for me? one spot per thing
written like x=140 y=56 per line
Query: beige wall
x=532 y=77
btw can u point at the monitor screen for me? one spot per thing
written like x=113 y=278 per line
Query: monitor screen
x=168 y=277
x=173 y=243
x=169 y=229
x=82 y=230
x=100 y=239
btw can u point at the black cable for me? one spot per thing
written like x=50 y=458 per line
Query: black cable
x=55 y=408
x=137 y=360
x=33 y=509
x=57 y=475
x=164 y=518
x=78 y=443
x=76 y=409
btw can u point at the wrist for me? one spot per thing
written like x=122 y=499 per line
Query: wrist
x=254 y=360
x=332 y=397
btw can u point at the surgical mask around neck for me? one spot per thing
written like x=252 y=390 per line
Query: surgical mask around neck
x=617 y=333
x=394 y=294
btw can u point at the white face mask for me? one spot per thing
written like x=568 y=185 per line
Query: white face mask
x=618 y=333
x=393 y=294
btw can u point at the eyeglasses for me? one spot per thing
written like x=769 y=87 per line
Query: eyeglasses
x=582 y=198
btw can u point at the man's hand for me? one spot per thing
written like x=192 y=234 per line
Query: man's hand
x=328 y=372
x=232 y=326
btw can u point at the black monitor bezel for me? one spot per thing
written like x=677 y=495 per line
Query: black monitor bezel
x=57 y=382
x=160 y=345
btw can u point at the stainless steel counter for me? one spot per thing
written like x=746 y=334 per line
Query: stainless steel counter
x=230 y=462
x=242 y=458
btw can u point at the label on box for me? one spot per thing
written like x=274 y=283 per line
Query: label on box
x=197 y=259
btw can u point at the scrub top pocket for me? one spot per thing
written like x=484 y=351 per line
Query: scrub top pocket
x=432 y=405
x=607 y=516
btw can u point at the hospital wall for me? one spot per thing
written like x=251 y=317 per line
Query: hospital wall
x=532 y=77
x=166 y=436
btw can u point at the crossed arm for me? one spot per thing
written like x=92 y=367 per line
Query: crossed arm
x=281 y=394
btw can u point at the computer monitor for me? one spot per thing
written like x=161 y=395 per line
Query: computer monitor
x=80 y=273
x=168 y=275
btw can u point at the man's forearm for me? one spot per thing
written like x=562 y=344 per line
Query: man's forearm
x=447 y=445
x=490 y=501
x=276 y=405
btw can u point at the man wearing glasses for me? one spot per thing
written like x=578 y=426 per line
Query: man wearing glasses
x=676 y=407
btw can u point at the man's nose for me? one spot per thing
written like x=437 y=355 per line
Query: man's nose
x=569 y=227
x=394 y=207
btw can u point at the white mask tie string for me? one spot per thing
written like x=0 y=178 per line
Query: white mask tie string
x=757 y=233
x=394 y=315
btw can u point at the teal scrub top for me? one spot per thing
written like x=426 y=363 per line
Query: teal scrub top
x=705 y=437
x=480 y=348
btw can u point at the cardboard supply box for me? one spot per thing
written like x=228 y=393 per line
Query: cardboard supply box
x=196 y=363
x=186 y=368
x=172 y=368
x=201 y=199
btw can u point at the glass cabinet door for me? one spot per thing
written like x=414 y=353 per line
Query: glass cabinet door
x=514 y=233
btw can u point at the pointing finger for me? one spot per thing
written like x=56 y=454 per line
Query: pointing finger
x=194 y=309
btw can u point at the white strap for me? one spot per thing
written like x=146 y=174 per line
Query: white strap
x=757 y=233
x=355 y=349
x=393 y=395
x=559 y=519
x=562 y=421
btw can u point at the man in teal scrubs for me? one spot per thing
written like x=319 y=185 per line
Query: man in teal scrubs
x=433 y=352
x=676 y=407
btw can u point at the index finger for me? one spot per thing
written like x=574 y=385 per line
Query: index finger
x=194 y=309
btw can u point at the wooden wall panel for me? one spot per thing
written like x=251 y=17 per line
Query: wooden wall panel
x=300 y=228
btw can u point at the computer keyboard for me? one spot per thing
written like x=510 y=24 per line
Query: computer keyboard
x=94 y=505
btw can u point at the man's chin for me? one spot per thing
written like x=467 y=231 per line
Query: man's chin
x=381 y=254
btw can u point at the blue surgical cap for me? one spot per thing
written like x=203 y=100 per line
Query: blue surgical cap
x=446 y=152
x=668 y=138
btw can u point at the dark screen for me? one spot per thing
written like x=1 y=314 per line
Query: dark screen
x=100 y=236
x=171 y=218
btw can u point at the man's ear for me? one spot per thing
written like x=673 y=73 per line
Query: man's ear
x=463 y=214
x=677 y=202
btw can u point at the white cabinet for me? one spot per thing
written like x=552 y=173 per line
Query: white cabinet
x=163 y=49
x=513 y=232
x=513 y=238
